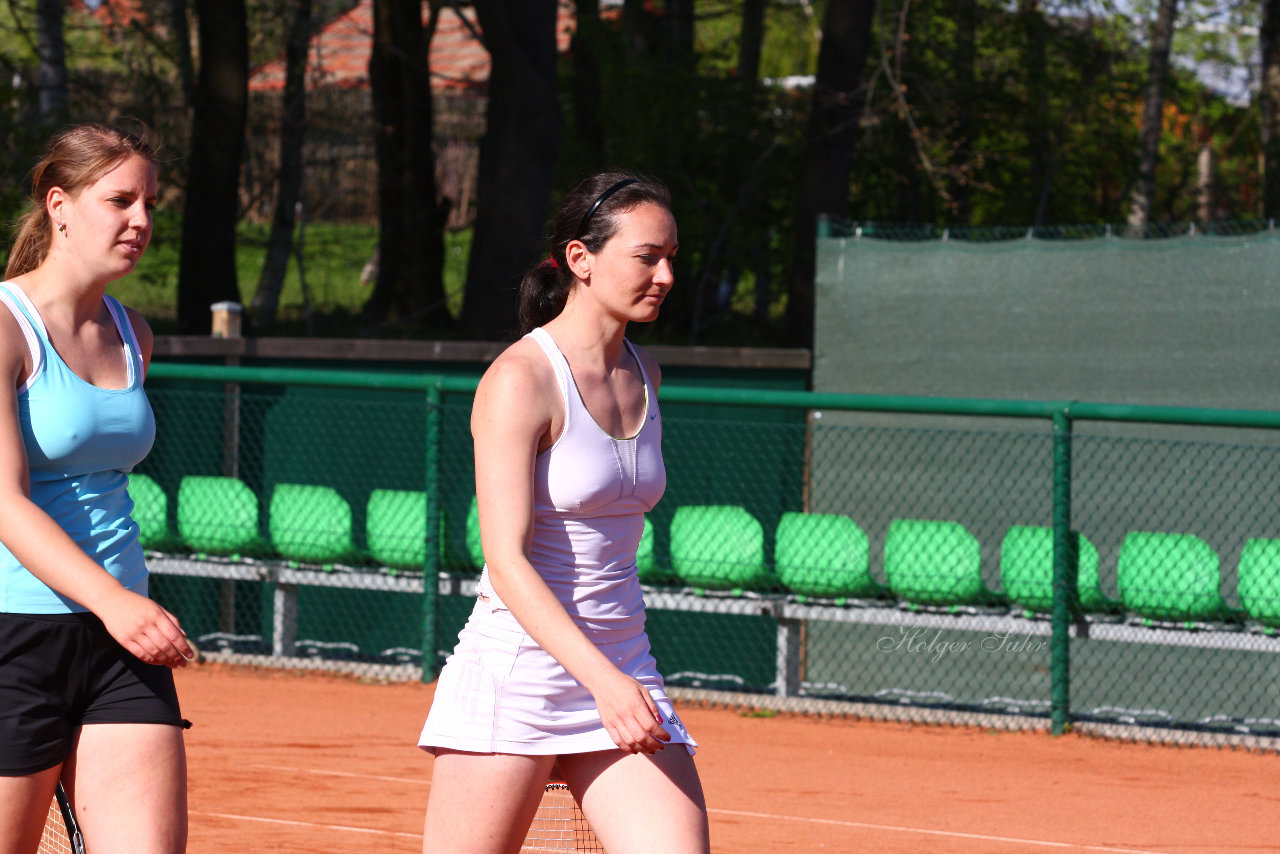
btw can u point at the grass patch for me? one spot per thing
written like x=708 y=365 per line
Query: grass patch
x=333 y=256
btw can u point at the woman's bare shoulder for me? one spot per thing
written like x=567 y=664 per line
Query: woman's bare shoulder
x=520 y=363
x=651 y=367
x=520 y=381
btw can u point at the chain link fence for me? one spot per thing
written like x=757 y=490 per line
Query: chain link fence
x=975 y=562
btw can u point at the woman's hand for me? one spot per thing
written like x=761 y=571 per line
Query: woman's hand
x=629 y=714
x=145 y=629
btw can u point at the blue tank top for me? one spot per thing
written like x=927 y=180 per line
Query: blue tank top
x=81 y=443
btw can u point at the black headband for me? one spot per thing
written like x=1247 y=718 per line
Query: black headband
x=582 y=226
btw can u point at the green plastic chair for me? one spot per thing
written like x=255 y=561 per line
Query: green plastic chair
x=1169 y=577
x=1259 y=580
x=218 y=515
x=646 y=562
x=474 y=549
x=310 y=523
x=718 y=547
x=933 y=562
x=150 y=511
x=1026 y=570
x=396 y=527
x=823 y=554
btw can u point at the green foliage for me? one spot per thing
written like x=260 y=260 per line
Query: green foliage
x=790 y=44
x=729 y=150
x=117 y=70
x=334 y=255
x=19 y=150
x=1208 y=32
x=21 y=141
x=791 y=41
x=958 y=150
x=941 y=142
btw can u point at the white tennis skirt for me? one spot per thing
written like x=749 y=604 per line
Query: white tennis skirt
x=499 y=692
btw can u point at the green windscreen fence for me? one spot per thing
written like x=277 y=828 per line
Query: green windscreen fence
x=974 y=561
x=290 y=521
x=1182 y=321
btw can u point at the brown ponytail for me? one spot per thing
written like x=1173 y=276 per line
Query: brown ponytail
x=589 y=213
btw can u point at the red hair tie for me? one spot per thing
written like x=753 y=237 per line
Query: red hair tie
x=551 y=259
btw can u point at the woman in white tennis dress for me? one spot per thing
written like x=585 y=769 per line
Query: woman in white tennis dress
x=553 y=667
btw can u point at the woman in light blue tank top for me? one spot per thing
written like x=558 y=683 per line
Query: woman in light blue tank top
x=553 y=671
x=86 y=687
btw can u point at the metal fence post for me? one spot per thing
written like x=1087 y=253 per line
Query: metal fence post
x=789 y=657
x=284 y=620
x=1064 y=568
x=431 y=566
x=225 y=323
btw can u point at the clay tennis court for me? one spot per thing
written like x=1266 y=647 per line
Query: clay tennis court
x=289 y=761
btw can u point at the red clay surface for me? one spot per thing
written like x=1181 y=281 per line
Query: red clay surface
x=302 y=762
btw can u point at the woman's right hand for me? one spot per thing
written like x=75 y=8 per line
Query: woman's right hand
x=629 y=714
x=145 y=629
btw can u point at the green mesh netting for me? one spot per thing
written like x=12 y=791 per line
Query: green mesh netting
x=1187 y=321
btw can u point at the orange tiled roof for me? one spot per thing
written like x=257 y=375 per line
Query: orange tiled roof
x=111 y=12
x=340 y=51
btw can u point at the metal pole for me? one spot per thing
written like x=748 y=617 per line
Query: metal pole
x=431 y=566
x=225 y=323
x=1064 y=572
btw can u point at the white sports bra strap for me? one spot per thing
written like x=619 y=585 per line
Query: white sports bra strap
x=564 y=376
x=132 y=351
x=12 y=299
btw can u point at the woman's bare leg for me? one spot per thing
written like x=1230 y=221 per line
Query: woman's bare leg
x=482 y=803
x=24 y=803
x=128 y=784
x=639 y=804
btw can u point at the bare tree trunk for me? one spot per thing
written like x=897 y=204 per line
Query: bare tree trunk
x=51 y=48
x=1152 y=114
x=966 y=17
x=634 y=27
x=1270 y=98
x=1204 y=183
x=180 y=36
x=207 y=270
x=752 y=39
x=410 y=284
x=750 y=47
x=289 y=179
x=833 y=128
x=1036 y=117
x=909 y=201
x=586 y=86
x=678 y=20
x=517 y=160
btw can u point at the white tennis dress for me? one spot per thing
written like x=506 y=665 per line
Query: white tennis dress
x=500 y=692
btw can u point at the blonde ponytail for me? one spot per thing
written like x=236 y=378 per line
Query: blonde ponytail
x=73 y=160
